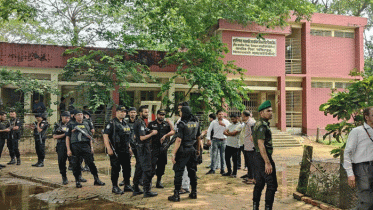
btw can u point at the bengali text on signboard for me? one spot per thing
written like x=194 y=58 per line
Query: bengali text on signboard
x=254 y=46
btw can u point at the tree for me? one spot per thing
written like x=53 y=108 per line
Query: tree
x=347 y=106
x=16 y=8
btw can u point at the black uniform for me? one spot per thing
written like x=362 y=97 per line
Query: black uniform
x=40 y=140
x=143 y=162
x=119 y=135
x=3 y=135
x=61 y=146
x=14 y=137
x=80 y=147
x=159 y=157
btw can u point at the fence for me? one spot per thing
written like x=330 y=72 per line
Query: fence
x=325 y=180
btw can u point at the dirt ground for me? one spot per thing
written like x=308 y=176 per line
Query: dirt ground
x=214 y=191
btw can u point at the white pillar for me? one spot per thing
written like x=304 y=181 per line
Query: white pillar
x=29 y=117
x=54 y=100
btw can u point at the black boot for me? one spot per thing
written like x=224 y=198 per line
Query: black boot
x=78 y=185
x=159 y=183
x=98 y=181
x=81 y=179
x=64 y=180
x=127 y=188
x=268 y=206
x=137 y=190
x=122 y=183
x=86 y=168
x=41 y=164
x=70 y=168
x=148 y=193
x=18 y=161
x=175 y=197
x=117 y=190
x=193 y=194
x=12 y=162
x=255 y=205
x=35 y=165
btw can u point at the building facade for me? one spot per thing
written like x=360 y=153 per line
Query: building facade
x=296 y=67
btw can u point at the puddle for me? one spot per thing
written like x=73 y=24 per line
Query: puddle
x=17 y=194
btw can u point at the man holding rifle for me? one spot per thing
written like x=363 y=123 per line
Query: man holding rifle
x=79 y=144
x=40 y=130
x=117 y=136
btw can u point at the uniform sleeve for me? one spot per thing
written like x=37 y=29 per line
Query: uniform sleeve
x=349 y=152
x=261 y=133
x=198 y=131
x=91 y=125
x=19 y=124
x=45 y=126
x=69 y=130
x=142 y=129
x=55 y=129
x=180 y=130
x=108 y=128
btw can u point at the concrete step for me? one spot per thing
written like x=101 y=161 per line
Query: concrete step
x=287 y=145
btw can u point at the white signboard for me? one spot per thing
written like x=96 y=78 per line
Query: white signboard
x=254 y=46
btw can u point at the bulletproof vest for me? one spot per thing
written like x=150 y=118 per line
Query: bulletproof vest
x=162 y=128
x=78 y=136
x=122 y=132
x=4 y=125
x=131 y=124
x=13 y=123
x=42 y=134
x=189 y=133
x=144 y=129
x=61 y=129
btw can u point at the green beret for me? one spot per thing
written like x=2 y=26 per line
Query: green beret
x=264 y=105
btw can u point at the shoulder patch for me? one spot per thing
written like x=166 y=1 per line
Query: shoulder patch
x=108 y=126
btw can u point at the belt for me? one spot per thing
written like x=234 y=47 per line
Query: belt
x=218 y=139
x=366 y=163
x=61 y=140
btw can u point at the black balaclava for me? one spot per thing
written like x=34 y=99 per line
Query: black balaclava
x=187 y=113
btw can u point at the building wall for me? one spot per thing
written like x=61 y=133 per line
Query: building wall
x=257 y=65
x=331 y=56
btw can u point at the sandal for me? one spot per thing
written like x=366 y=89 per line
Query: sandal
x=184 y=191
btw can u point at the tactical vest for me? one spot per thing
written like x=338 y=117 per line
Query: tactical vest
x=43 y=135
x=121 y=132
x=4 y=125
x=144 y=129
x=61 y=129
x=78 y=136
x=263 y=126
x=132 y=137
x=190 y=133
x=15 y=134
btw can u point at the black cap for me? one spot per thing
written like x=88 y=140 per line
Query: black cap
x=121 y=108
x=86 y=113
x=77 y=111
x=131 y=109
x=2 y=113
x=65 y=114
x=161 y=112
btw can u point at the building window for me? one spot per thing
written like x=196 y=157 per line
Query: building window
x=343 y=85
x=344 y=34
x=293 y=108
x=315 y=32
x=293 y=84
x=322 y=84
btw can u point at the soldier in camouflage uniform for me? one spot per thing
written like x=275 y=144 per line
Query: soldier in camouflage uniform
x=265 y=167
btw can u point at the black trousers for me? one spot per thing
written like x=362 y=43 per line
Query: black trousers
x=241 y=150
x=231 y=152
x=82 y=149
x=122 y=161
x=40 y=149
x=159 y=161
x=143 y=166
x=13 y=148
x=61 y=156
x=2 y=143
x=364 y=182
x=262 y=179
x=185 y=157
x=249 y=159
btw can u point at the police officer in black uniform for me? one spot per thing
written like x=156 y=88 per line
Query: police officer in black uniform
x=79 y=144
x=132 y=112
x=40 y=130
x=87 y=119
x=59 y=133
x=4 y=132
x=143 y=164
x=117 y=136
x=159 y=157
x=14 y=136
x=185 y=152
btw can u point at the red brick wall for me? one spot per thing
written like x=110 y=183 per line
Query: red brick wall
x=331 y=56
x=257 y=65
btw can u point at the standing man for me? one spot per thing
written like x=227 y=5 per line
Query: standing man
x=14 y=136
x=143 y=163
x=184 y=153
x=247 y=139
x=159 y=157
x=233 y=145
x=62 y=105
x=4 y=132
x=218 y=141
x=79 y=144
x=38 y=106
x=132 y=112
x=265 y=167
x=117 y=136
x=358 y=160
x=40 y=135
x=59 y=133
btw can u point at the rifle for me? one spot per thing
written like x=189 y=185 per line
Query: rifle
x=169 y=143
x=41 y=136
x=112 y=148
x=83 y=132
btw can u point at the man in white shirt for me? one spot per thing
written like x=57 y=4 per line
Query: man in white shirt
x=358 y=160
x=233 y=145
x=218 y=140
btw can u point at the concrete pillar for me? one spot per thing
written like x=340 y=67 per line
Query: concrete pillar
x=54 y=100
x=305 y=43
x=281 y=114
x=29 y=116
x=306 y=93
x=263 y=97
x=171 y=94
x=359 y=49
x=137 y=98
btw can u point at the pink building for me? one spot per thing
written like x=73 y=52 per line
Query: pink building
x=295 y=67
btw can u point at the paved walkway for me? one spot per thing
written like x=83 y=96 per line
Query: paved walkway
x=214 y=191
